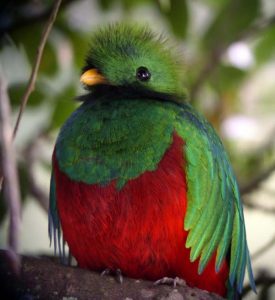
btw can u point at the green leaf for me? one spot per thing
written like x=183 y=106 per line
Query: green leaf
x=105 y=5
x=265 y=47
x=130 y=4
x=126 y=4
x=65 y=105
x=78 y=40
x=16 y=92
x=232 y=20
x=227 y=78
x=29 y=37
x=176 y=12
x=217 y=4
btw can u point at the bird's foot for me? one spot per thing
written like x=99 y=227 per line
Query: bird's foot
x=171 y=281
x=117 y=273
x=105 y=272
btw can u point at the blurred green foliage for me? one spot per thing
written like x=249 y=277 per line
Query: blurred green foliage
x=204 y=29
x=230 y=22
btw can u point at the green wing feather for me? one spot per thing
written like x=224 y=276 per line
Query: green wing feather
x=214 y=214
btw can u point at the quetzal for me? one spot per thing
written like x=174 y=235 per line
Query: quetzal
x=141 y=181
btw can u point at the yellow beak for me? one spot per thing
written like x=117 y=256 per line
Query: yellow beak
x=92 y=77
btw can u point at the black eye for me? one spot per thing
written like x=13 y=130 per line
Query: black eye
x=143 y=74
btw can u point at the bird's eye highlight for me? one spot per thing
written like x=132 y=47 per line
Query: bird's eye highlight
x=143 y=74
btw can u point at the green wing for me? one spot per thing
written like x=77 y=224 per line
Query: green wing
x=54 y=227
x=214 y=214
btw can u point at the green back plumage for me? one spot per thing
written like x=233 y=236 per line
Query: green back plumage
x=119 y=135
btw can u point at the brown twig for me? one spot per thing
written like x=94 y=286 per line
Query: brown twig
x=31 y=84
x=11 y=189
x=11 y=184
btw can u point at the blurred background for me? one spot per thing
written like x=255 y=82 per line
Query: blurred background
x=228 y=48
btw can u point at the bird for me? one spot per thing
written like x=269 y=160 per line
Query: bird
x=140 y=181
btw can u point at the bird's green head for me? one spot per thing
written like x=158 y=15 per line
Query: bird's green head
x=133 y=58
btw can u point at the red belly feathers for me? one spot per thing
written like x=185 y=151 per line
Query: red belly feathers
x=139 y=228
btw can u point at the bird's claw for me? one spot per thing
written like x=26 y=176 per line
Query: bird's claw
x=105 y=272
x=117 y=273
x=119 y=276
x=171 y=281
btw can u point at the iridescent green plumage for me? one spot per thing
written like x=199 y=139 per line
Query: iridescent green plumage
x=118 y=50
x=214 y=216
x=124 y=129
x=120 y=127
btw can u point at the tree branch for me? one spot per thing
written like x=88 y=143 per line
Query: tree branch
x=37 y=192
x=216 y=53
x=31 y=83
x=262 y=279
x=255 y=182
x=11 y=184
x=44 y=278
x=257 y=28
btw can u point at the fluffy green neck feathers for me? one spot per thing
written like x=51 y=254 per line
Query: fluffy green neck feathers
x=117 y=139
